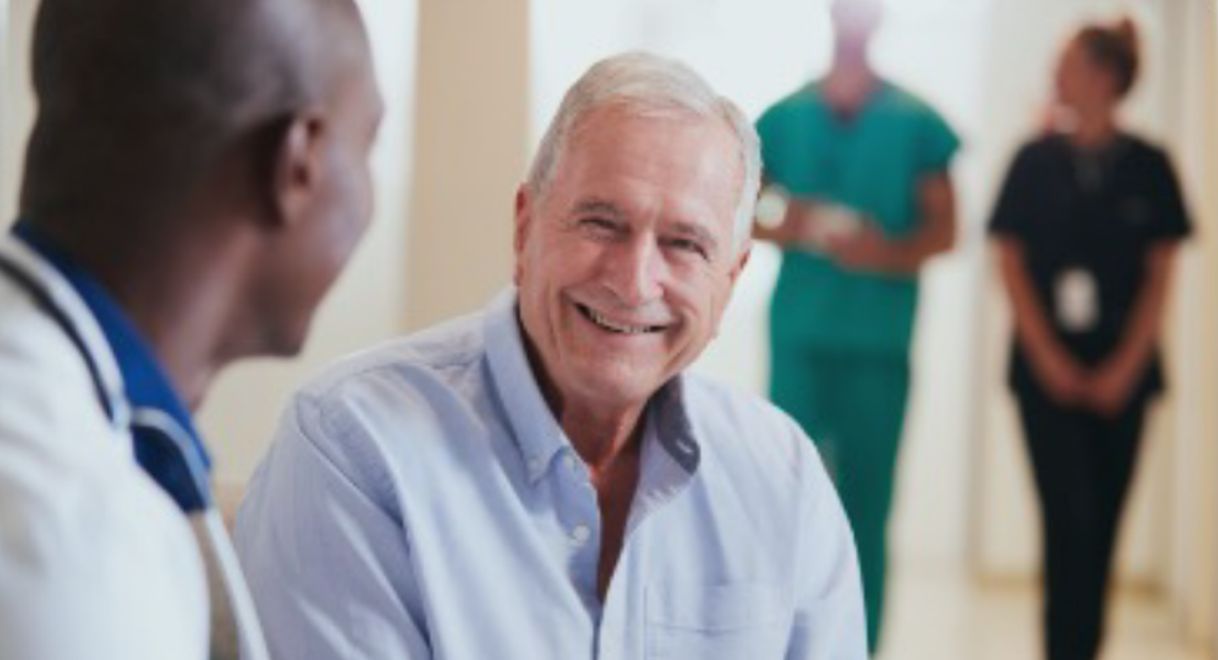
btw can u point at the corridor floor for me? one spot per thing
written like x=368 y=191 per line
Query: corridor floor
x=938 y=614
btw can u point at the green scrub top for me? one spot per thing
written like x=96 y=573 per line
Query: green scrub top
x=873 y=163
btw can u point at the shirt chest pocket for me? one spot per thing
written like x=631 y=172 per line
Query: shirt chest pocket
x=746 y=621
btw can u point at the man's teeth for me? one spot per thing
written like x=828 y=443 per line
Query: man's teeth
x=618 y=327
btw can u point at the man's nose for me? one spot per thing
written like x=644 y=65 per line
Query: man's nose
x=636 y=271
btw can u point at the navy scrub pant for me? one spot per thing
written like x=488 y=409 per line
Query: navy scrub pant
x=1083 y=464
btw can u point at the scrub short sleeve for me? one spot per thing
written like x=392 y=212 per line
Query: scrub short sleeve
x=769 y=132
x=1011 y=211
x=1171 y=213
x=937 y=144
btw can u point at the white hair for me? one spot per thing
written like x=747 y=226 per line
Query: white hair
x=645 y=84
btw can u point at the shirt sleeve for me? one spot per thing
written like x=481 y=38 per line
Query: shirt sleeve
x=937 y=144
x=767 y=130
x=1010 y=215
x=1171 y=213
x=830 y=622
x=327 y=564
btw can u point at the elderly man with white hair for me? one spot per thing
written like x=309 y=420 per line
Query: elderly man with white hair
x=543 y=479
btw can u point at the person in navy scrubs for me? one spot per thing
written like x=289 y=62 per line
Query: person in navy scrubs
x=1086 y=227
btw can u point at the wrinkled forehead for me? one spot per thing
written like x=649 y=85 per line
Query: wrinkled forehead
x=619 y=131
x=677 y=146
x=665 y=172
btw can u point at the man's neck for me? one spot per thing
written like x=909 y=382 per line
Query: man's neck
x=602 y=436
x=179 y=299
x=848 y=85
x=600 y=431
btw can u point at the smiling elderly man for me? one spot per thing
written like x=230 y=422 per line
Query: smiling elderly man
x=542 y=480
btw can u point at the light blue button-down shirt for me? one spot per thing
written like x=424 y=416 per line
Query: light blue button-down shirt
x=421 y=501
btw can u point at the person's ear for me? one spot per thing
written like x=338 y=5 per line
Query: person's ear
x=742 y=260
x=523 y=217
x=297 y=168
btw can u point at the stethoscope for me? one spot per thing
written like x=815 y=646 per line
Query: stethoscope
x=166 y=429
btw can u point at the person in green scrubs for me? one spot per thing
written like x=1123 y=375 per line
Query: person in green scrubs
x=863 y=165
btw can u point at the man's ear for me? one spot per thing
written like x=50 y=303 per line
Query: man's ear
x=524 y=215
x=296 y=167
x=524 y=212
x=742 y=260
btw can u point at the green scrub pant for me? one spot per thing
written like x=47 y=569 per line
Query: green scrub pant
x=853 y=407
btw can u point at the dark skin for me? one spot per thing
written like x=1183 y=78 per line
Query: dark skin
x=846 y=88
x=188 y=212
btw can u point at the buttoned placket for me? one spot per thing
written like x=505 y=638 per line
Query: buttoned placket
x=580 y=521
x=669 y=458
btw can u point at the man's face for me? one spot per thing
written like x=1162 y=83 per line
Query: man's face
x=855 y=23
x=626 y=259
x=334 y=210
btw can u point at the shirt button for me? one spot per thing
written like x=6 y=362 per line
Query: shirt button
x=580 y=534
x=569 y=461
x=534 y=464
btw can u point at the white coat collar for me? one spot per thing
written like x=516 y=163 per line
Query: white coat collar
x=60 y=293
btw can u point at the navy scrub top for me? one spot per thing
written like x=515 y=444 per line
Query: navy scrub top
x=1100 y=211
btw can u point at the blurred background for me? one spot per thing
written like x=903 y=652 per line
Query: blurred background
x=470 y=86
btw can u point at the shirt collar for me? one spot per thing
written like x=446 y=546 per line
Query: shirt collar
x=144 y=381
x=534 y=427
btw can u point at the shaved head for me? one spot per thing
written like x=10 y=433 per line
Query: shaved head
x=138 y=99
x=206 y=160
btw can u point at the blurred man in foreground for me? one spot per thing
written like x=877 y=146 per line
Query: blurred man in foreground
x=196 y=177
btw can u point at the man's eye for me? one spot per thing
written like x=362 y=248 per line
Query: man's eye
x=687 y=245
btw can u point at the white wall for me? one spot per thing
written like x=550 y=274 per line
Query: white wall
x=931 y=46
x=1194 y=326
x=17 y=104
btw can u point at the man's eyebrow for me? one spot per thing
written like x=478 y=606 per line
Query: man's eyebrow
x=597 y=205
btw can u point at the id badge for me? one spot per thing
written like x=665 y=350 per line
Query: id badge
x=1076 y=300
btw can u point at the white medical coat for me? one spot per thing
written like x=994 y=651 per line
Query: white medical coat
x=95 y=560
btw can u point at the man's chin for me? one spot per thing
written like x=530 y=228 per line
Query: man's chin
x=616 y=389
